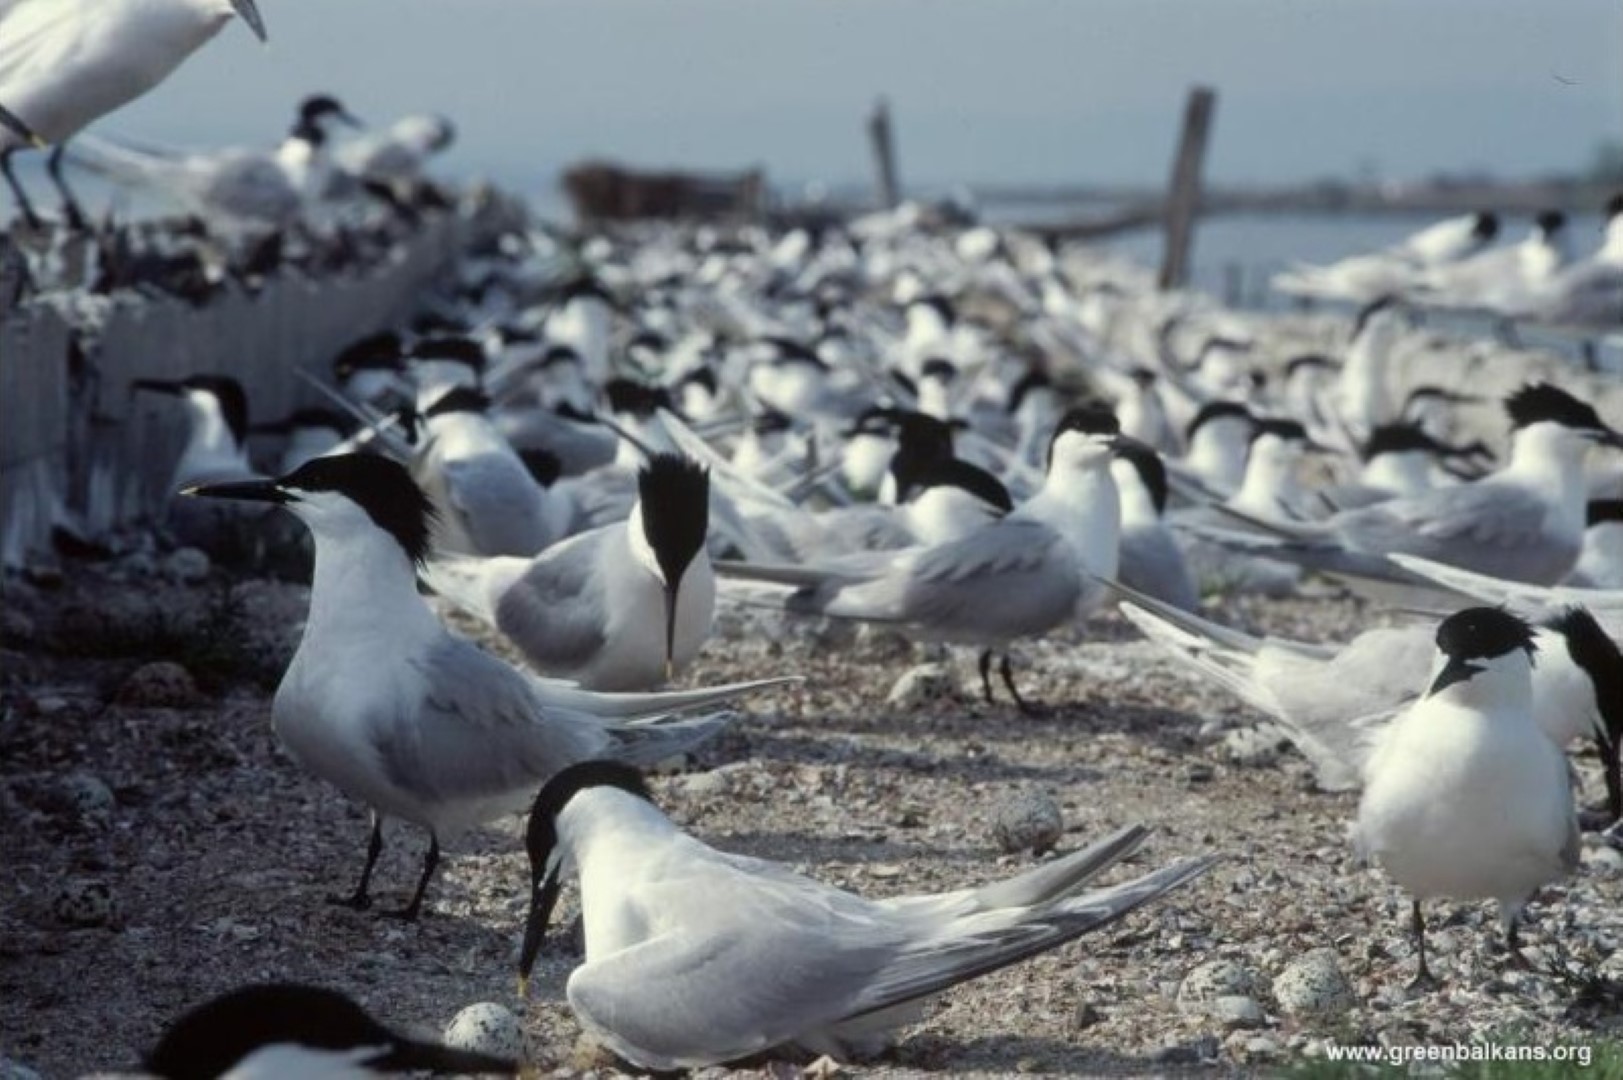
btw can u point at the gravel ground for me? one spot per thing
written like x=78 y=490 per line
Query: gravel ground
x=159 y=849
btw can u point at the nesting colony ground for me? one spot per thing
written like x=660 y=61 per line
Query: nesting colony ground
x=160 y=849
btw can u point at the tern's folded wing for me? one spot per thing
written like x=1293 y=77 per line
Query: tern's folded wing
x=481 y=731
x=554 y=612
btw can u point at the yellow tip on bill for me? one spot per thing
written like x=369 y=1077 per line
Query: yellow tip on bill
x=523 y=987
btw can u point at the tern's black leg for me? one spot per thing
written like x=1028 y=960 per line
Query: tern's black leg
x=986 y=675
x=410 y=912
x=24 y=207
x=1611 y=759
x=1007 y=671
x=1423 y=981
x=359 y=900
x=70 y=206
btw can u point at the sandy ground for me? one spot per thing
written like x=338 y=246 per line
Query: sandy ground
x=159 y=849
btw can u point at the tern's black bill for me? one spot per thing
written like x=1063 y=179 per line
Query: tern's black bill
x=543 y=898
x=248 y=11
x=1457 y=670
x=246 y=491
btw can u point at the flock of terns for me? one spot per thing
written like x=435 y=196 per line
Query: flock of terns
x=960 y=433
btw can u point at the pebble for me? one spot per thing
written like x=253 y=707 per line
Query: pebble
x=1313 y=987
x=1253 y=747
x=1236 y=1011
x=84 y=903
x=1604 y=860
x=86 y=797
x=486 y=1027
x=921 y=685
x=1028 y=821
x=1214 y=980
x=186 y=565
x=160 y=684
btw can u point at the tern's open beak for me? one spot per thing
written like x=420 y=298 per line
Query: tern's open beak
x=249 y=13
x=247 y=491
x=349 y=118
x=1611 y=438
x=14 y=124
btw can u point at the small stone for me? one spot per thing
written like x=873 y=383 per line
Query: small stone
x=1236 y=1011
x=84 y=903
x=160 y=684
x=187 y=566
x=1253 y=747
x=1262 y=1046
x=1313 y=987
x=705 y=785
x=487 y=1028
x=922 y=685
x=1603 y=860
x=1028 y=821
x=1216 y=979
x=85 y=796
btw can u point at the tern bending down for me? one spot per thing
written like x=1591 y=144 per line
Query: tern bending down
x=696 y=957
x=383 y=702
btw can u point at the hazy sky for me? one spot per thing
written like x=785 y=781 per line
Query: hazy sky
x=1012 y=90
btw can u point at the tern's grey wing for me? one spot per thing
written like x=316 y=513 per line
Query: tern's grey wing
x=554 y=611
x=245 y=185
x=978 y=945
x=1482 y=515
x=755 y=956
x=497 y=503
x=480 y=732
x=1152 y=563
x=1019 y=577
x=1008 y=579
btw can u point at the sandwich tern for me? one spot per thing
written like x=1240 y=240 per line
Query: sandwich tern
x=286 y=1031
x=1333 y=701
x=695 y=957
x=620 y=607
x=1524 y=521
x=386 y=704
x=1018 y=576
x=1465 y=797
x=65 y=63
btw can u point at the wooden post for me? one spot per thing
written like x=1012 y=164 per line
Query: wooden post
x=884 y=154
x=1183 y=201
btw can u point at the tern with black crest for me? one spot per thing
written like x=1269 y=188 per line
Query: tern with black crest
x=1465 y=797
x=695 y=957
x=418 y=724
